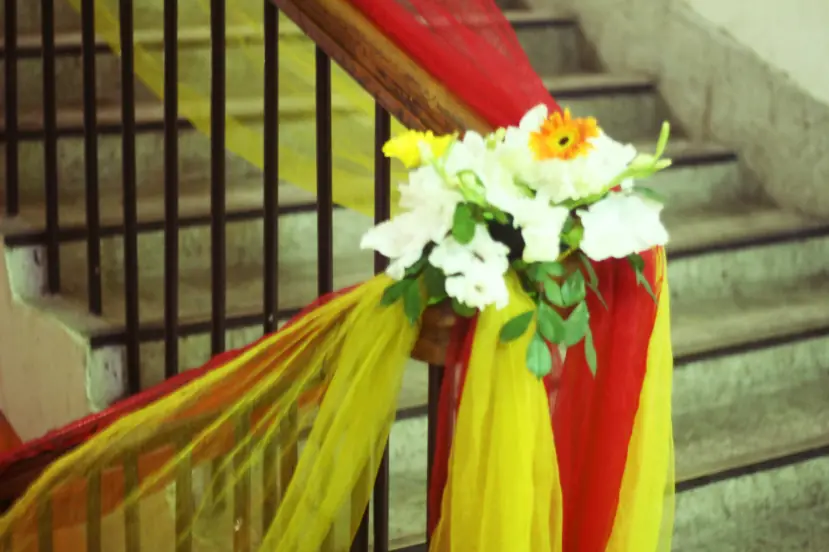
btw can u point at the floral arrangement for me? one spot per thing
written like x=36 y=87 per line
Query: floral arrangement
x=545 y=198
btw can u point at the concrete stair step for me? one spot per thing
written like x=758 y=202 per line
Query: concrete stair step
x=601 y=95
x=782 y=509
x=551 y=40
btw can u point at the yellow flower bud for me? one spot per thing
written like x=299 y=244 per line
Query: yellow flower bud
x=407 y=147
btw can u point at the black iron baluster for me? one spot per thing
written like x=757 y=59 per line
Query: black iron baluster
x=171 y=222
x=12 y=160
x=271 y=177
x=382 y=211
x=325 y=199
x=218 y=213
x=436 y=374
x=50 y=144
x=90 y=128
x=133 y=342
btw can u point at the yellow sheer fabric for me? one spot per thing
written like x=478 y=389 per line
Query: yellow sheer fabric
x=351 y=351
x=352 y=108
x=644 y=519
x=503 y=490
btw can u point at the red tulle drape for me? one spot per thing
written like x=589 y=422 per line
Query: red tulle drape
x=470 y=47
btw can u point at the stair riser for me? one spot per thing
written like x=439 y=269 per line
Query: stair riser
x=194 y=166
x=244 y=75
x=626 y=117
x=696 y=186
x=731 y=273
x=738 y=514
x=194 y=148
x=552 y=49
x=750 y=405
x=297 y=262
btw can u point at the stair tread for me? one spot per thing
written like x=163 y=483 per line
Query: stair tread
x=69 y=41
x=71 y=118
x=151 y=112
x=752 y=428
x=244 y=194
x=734 y=224
x=724 y=323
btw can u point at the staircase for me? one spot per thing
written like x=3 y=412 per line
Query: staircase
x=748 y=282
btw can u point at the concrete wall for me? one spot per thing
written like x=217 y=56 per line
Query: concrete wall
x=752 y=75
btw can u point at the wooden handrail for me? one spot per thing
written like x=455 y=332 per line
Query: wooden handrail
x=399 y=84
x=404 y=89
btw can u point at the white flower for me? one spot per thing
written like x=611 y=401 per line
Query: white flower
x=479 y=288
x=585 y=175
x=475 y=271
x=620 y=225
x=541 y=224
x=401 y=239
x=427 y=193
x=453 y=257
x=561 y=179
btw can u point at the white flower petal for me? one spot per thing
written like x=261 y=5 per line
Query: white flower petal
x=621 y=225
x=534 y=118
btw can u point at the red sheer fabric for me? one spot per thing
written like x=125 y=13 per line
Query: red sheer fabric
x=470 y=47
x=594 y=416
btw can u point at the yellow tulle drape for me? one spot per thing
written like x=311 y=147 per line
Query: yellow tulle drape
x=644 y=519
x=350 y=352
x=503 y=490
x=352 y=108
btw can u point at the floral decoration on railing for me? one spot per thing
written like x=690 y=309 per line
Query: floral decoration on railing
x=546 y=198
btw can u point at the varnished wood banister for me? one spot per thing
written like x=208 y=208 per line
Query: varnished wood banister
x=399 y=84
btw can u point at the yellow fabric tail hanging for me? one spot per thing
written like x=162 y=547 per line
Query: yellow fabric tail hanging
x=352 y=113
x=644 y=519
x=503 y=490
x=350 y=353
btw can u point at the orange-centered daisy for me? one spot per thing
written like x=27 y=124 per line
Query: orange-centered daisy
x=563 y=137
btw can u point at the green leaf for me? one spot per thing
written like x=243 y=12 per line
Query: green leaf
x=416 y=268
x=550 y=324
x=574 y=236
x=638 y=263
x=463 y=224
x=649 y=193
x=552 y=291
x=516 y=327
x=573 y=290
x=539 y=359
x=577 y=325
x=664 y=134
x=540 y=271
x=413 y=303
x=592 y=278
x=435 y=281
x=462 y=309
x=395 y=291
x=590 y=352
